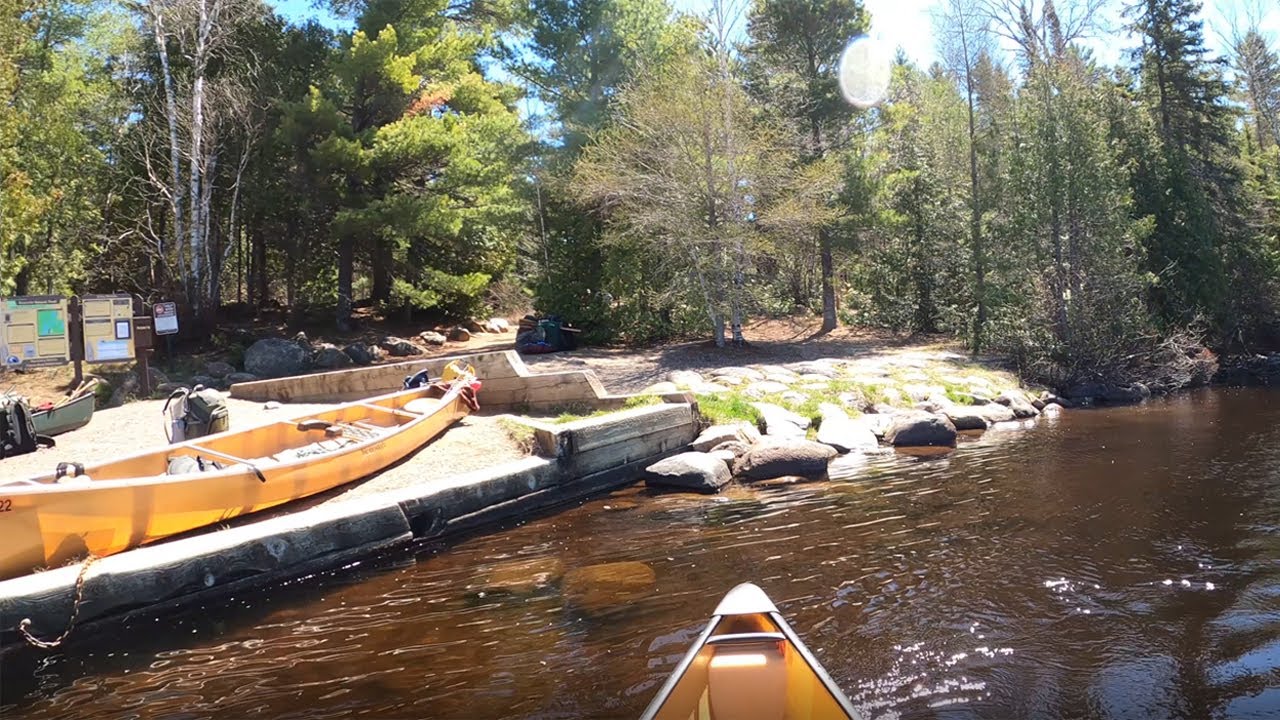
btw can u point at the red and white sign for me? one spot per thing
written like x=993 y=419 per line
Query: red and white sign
x=166 y=315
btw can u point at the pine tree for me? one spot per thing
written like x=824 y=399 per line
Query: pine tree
x=1192 y=192
x=794 y=50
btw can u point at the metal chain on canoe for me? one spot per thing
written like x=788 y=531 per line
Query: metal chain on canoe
x=36 y=642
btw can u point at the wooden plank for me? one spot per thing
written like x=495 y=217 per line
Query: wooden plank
x=596 y=432
x=367 y=381
x=623 y=452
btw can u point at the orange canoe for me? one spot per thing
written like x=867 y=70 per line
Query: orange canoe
x=749 y=665
x=108 y=507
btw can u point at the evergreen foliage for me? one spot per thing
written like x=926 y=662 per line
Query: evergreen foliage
x=645 y=175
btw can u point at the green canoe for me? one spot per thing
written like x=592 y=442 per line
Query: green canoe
x=75 y=414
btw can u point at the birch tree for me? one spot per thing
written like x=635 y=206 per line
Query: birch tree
x=964 y=41
x=191 y=38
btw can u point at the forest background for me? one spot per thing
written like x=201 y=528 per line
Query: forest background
x=1077 y=186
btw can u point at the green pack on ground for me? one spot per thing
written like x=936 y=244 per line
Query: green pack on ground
x=197 y=412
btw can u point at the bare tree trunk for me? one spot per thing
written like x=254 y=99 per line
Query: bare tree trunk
x=829 y=319
x=259 y=292
x=171 y=116
x=346 y=273
x=381 y=285
x=198 y=230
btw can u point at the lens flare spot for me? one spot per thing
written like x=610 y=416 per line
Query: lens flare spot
x=865 y=67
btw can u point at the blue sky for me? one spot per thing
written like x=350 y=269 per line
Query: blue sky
x=908 y=24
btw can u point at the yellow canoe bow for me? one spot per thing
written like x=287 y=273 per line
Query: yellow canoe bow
x=108 y=507
x=748 y=664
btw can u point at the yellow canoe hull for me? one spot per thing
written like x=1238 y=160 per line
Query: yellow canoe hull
x=113 y=506
x=748 y=664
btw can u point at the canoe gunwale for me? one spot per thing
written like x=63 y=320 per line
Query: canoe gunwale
x=785 y=633
x=678 y=674
x=44 y=484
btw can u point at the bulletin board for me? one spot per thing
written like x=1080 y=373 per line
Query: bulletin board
x=34 y=331
x=108 y=328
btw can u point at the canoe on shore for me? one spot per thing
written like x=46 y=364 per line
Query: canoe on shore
x=748 y=664
x=104 y=508
x=64 y=418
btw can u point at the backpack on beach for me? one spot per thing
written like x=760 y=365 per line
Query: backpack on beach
x=197 y=412
x=17 y=430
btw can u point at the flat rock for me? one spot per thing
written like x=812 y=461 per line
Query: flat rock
x=781 y=422
x=793 y=396
x=660 y=388
x=600 y=587
x=719 y=434
x=789 y=457
x=912 y=429
x=520 y=577
x=825 y=368
x=689 y=471
x=729 y=380
x=687 y=379
x=840 y=431
x=708 y=388
x=747 y=374
x=764 y=387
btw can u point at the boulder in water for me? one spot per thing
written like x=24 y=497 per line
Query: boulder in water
x=601 y=587
x=520 y=577
x=840 y=431
x=912 y=429
x=966 y=417
x=786 y=457
x=689 y=471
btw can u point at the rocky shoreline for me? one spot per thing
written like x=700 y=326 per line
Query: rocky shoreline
x=797 y=418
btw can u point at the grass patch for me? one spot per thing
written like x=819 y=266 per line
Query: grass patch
x=722 y=408
x=581 y=411
x=522 y=435
x=641 y=401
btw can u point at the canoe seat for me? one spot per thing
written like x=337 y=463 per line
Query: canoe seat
x=422 y=406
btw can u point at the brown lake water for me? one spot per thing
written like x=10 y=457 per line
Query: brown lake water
x=1114 y=563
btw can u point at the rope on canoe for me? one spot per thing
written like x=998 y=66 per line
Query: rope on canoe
x=36 y=642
